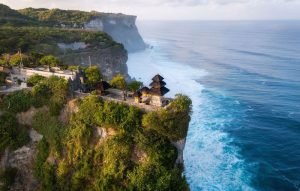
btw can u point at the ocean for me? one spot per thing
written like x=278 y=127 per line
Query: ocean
x=244 y=80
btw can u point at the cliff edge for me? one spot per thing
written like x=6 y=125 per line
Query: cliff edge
x=120 y=27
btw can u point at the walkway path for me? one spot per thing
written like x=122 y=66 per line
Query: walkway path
x=117 y=96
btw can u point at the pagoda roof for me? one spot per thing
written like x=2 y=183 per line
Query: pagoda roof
x=144 y=90
x=157 y=78
x=159 y=91
x=158 y=84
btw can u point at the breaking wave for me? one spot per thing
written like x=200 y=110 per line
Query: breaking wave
x=212 y=162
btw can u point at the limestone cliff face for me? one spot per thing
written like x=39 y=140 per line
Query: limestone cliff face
x=180 y=147
x=111 y=60
x=121 y=28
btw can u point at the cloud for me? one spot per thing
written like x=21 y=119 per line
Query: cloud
x=178 y=9
x=188 y=2
x=138 y=3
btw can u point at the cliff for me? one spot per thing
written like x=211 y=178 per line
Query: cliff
x=73 y=47
x=96 y=144
x=120 y=27
x=38 y=30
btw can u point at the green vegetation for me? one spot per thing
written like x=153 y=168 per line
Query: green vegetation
x=31 y=60
x=119 y=82
x=7 y=177
x=11 y=17
x=87 y=162
x=134 y=86
x=50 y=60
x=12 y=135
x=57 y=16
x=44 y=40
x=16 y=59
x=2 y=78
x=172 y=122
x=35 y=79
x=135 y=153
x=93 y=75
x=51 y=91
x=18 y=102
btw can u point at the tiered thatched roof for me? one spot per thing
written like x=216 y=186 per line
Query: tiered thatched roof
x=158 y=86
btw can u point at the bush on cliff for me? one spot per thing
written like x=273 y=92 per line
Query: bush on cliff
x=134 y=86
x=120 y=161
x=119 y=82
x=17 y=102
x=93 y=75
x=51 y=91
x=50 y=60
x=7 y=178
x=34 y=80
x=171 y=122
x=12 y=135
x=2 y=78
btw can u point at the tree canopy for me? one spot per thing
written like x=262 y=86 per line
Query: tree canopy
x=171 y=122
x=135 y=85
x=50 y=60
x=119 y=82
x=93 y=75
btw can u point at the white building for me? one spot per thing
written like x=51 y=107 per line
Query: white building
x=24 y=73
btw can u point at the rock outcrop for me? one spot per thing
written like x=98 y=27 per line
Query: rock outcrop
x=121 y=28
x=111 y=60
x=23 y=160
x=180 y=147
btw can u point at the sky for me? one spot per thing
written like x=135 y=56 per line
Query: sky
x=178 y=9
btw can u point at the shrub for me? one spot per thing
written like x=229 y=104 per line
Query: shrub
x=2 y=78
x=93 y=75
x=171 y=122
x=19 y=101
x=41 y=157
x=35 y=79
x=50 y=60
x=50 y=128
x=12 y=135
x=119 y=82
x=135 y=85
x=16 y=59
x=7 y=178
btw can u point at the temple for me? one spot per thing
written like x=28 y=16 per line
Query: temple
x=155 y=95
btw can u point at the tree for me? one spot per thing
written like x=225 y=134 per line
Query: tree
x=73 y=68
x=7 y=178
x=12 y=135
x=50 y=60
x=18 y=101
x=135 y=85
x=171 y=122
x=16 y=59
x=93 y=75
x=119 y=82
x=4 y=60
x=35 y=79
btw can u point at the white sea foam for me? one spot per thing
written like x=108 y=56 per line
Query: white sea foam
x=211 y=163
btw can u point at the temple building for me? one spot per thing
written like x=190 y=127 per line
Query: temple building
x=155 y=95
